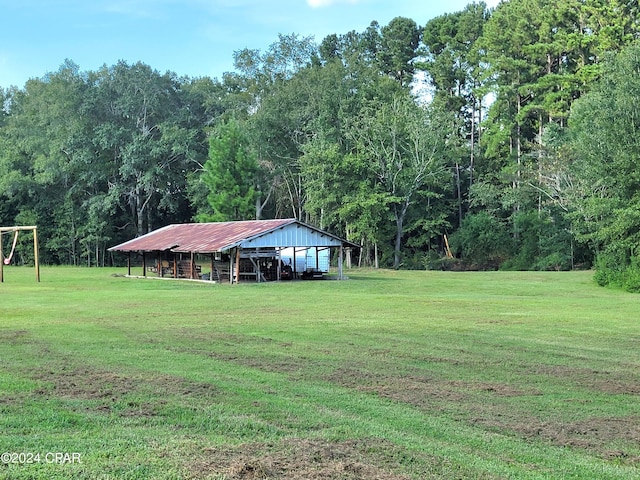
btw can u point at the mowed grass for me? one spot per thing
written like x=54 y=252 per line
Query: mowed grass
x=389 y=375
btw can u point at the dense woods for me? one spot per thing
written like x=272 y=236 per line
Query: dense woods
x=510 y=132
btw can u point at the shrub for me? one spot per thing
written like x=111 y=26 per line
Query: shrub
x=616 y=268
x=482 y=241
x=435 y=261
x=541 y=243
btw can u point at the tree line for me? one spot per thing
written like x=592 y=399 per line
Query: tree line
x=487 y=138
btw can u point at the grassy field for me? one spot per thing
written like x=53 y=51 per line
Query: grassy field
x=389 y=375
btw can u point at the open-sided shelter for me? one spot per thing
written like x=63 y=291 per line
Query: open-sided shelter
x=249 y=249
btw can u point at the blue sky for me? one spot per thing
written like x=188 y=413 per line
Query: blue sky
x=189 y=37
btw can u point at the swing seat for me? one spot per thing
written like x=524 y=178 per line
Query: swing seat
x=7 y=260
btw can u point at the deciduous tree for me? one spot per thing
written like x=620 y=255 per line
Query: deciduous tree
x=405 y=148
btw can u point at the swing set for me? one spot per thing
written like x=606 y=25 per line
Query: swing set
x=7 y=260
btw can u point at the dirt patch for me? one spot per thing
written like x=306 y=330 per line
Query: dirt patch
x=14 y=337
x=615 y=383
x=114 y=389
x=615 y=387
x=292 y=365
x=596 y=435
x=91 y=383
x=222 y=338
x=592 y=432
x=420 y=391
x=300 y=459
x=85 y=383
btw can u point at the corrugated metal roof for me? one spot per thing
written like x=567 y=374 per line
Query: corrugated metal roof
x=221 y=236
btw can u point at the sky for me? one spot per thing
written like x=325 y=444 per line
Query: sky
x=192 y=38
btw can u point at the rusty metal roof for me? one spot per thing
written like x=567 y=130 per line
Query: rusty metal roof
x=212 y=237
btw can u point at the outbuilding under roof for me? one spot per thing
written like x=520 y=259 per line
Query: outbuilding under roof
x=255 y=243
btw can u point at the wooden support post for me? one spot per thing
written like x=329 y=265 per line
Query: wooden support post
x=447 y=249
x=340 y=263
x=144 y=264
x=295 y=264
x=278 y=264
x=36 y=259
x=129 y=263
x=237 y=272
x=213 y=265
x=1 y=260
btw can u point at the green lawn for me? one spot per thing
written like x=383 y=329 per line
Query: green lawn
x=389 y=375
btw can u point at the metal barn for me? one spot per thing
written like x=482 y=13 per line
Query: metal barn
x=236 y=251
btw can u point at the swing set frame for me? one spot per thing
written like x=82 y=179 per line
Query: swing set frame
x=15 y=231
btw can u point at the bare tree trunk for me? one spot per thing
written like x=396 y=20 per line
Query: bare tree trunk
x=258 y=207
x=375 y=255
x=139 y=214
x=473 y=142
x=399 y=230
x=519 y=145
x=459 y=193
